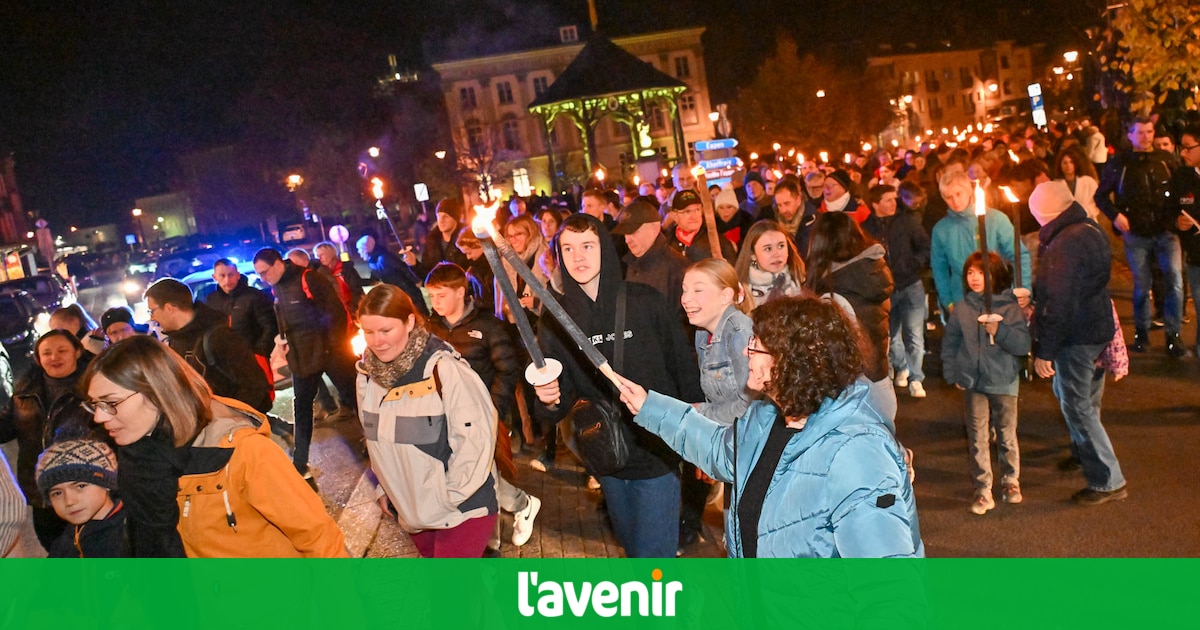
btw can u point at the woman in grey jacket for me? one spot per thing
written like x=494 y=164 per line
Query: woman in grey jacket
x=717 y=305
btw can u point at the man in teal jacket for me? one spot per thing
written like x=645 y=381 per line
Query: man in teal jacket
x=955 y=237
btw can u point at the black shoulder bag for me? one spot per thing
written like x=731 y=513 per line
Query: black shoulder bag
x=595 y=429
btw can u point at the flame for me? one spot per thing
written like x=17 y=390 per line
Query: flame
x=637 y=181
x=980 y=204
x=1013 y=156
x=849 y=158
x=1008 y=194
x=698 y=171
x=800 y=158
x=377 y=187
x=600 y=175
x=824 y=157
x=481 y=225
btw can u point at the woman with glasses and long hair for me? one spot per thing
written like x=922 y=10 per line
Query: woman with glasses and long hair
x=816 y=469
x=199 y=473
x=42 y=403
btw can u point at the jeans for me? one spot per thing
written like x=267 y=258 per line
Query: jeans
x=907 y=322
x=341 y=372
x=644 y=514
x=1193 y=275
x=1079 y=386
x=981 y=411
x=1165 y=249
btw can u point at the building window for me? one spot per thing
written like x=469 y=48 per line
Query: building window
x=687 y=109
x=466 y=97
x=540 y=85
x=657 y=118
x=619 y=130
x=568 y=34
x=1020 y=59
x=965 y=79
x=475 y=137
x=511 y=134
x=950 y=101
x=1004 y=62
x=504 y=93
x=968 y=106
x=682 y=69
x=521 y=182
x=1008 y=87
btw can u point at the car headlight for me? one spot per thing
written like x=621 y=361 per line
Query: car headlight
x=42 y=323
x=131 y=286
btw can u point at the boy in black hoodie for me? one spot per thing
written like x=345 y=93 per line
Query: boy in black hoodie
x=77 y=478
x=643 y=498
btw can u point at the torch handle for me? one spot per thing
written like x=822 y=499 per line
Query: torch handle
x=710 y=218
x=514 y=303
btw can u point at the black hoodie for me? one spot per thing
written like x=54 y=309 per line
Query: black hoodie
x=657 y=355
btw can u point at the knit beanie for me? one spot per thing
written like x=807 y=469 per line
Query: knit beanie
x=1049 y=200
x=843 y=178
x=86 y=460
x=726 y=197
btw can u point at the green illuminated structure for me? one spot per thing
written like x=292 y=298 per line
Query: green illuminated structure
x=604 y=80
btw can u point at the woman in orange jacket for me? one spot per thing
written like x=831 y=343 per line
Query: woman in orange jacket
x=199 y=473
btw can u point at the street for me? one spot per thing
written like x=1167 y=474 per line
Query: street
x=1152 y=416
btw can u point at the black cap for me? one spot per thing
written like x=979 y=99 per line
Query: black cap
x=633 y=216
x=684 y=198
x=118 y=314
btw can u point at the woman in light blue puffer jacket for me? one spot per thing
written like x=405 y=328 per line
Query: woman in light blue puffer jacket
x=817 y=471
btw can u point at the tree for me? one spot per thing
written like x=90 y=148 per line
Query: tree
x=804 y=103
x=1152 y=52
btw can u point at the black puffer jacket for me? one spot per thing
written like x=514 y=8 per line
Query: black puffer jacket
x=866 y=283
x=486 y=343
x=657 y=355
x=250 y=315
x=33 y=420
x=222 y=357
x=313 y=327
x=906 y=242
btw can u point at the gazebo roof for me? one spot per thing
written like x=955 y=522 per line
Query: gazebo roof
x=603 y=68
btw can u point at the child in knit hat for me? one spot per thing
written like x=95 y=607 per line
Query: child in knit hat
x=77 y=477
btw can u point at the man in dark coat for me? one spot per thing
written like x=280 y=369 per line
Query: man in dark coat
x=439 y=243
x=389 y=268
x=1072 y=325
x=248 y=309
x=650 y=260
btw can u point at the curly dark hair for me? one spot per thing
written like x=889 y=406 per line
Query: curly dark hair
x=818 y=352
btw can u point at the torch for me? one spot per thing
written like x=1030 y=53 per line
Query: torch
x=981 y=215
x=1018 y=290
x=710 y=219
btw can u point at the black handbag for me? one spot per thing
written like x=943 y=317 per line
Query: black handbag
x=595 y=429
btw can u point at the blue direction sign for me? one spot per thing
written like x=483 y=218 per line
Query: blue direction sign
x=720 y=163
x=723 y=144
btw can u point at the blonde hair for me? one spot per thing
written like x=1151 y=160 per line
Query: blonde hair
x=723 y=275
x=954 y=178
x=145 y=365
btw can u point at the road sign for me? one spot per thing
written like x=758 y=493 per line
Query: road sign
x=724 y=144
x=422 y=191
x=713 y=165
x=339 y=234
x=380 y=213
x=1037 y=106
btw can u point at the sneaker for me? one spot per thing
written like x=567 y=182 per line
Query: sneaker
x=540 y=464
x=311 y=480
x=1157 y=323
x=1141 y=341
x=1012 y=493
x=983 y=502
x=1087 y=496
x=593 y=483
x=916 y=389
x=902 y=378
x=523 y=521
x=1175 y=347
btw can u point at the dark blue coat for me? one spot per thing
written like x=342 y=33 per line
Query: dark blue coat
x=1071 y=291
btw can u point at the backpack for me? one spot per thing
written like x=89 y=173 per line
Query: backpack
x=1142 y=192
x=202 y=353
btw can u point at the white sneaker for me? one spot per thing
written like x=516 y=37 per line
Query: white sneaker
x=537 y=464
x=523 y=521
x=983 y=502
x=593 y=484
x=902 y=378
x=916 y=389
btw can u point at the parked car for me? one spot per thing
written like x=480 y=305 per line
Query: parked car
x=48 y=291
x=18 y=334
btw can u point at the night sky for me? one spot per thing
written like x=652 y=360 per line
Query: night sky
x=97 y=103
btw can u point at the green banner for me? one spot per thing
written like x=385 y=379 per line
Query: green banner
x=596 y=593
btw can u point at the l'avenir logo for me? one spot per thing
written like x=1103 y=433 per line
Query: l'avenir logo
x=549 y=598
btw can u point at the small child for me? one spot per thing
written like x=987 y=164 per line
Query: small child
x=78 y=477
x=982 y=359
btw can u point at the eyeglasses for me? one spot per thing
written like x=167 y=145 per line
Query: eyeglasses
x=108 y=407
x=1185 y=147
x=750 y=347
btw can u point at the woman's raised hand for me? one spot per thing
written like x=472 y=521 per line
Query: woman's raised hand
x=632 y=394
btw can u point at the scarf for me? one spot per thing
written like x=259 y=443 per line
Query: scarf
x=390 y=373
x=839 y=204
x=766 y=286
x=791 y=226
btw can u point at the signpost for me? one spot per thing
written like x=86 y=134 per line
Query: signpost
x=724 y=144
x=1037 y=105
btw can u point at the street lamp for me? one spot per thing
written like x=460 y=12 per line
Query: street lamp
x=441 y=155
x=294 y=181
x=820 y=93
x=1071 y=56
x=141 y=231
x=373 y=152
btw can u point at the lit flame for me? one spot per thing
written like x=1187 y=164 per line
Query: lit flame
x=777 y=173
x=637 y=181
x=866 y=146
x=377 y=187
x=776 y=146
x=753 y=156
x=1013 y=156
x=666 y=173
x=800 y=158
x=824 y=157
x=849 y=158
x=791 y=152
x=358 y=343
x=1008 y=194
x=980 y=204
x=698 y=171
x=484 y=215
x=600 y=175
x=895 y=143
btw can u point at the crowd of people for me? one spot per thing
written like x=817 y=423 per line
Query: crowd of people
x=763 y=364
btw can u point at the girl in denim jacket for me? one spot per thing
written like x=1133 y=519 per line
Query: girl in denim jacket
x=716 y=304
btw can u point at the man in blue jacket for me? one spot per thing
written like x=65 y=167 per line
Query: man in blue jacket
x=1072 y=324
